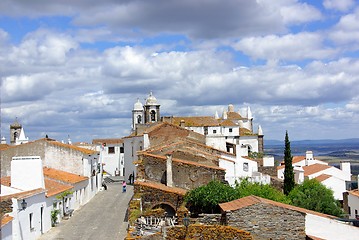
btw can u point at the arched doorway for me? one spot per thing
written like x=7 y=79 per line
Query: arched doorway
x=170 y=211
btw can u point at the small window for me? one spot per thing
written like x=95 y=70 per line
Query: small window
x=356 y=213
x=214 y=131
x=245 y=167
x=122 y=150
x=230 y=130
x=349 y=210
x=31 y=222
x=205 y=130
x=140 y=148
x=111 y=149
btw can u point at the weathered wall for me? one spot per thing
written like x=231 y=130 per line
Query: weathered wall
x=27 y=149
x=152 y=197
x=265 y=221
x=185 y=176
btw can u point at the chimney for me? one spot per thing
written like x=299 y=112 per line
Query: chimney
x=27 y=173
x=345 y=166
x=169 y=170
x=308 y=157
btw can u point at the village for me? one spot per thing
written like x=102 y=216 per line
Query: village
x=46 y=181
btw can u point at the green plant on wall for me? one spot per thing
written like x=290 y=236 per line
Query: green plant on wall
x=62 y=197
x=54 y=215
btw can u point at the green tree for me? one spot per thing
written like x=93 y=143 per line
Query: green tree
x=313 y=195
x=246 y=188
x=207 y=197
x=288 y=170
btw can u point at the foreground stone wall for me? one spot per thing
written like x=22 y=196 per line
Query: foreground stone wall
x=265 y=221
x=151 y=197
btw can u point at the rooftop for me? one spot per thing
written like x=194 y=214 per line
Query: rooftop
x=251 y=200
x=63 y=176
x=311 y=169
x=162 y=187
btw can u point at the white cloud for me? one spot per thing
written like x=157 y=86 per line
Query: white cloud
x=295 y=12
x=346 y=31
x=340 y=5
x=299 y=46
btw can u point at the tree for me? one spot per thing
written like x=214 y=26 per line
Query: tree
x=207 y=197
x=313 y=195
x=246 y=188
x=288 y=170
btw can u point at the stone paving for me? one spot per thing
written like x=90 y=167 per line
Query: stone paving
x=101 y=218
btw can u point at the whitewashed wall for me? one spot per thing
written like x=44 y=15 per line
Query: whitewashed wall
x=6 y=231
x=329 y=229
x=353 y=203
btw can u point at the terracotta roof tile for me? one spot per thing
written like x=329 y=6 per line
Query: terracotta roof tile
x=322 y=177
x=251 y=200
x=6 y=219
x=162 y=187
x=183 y=161
x=53 y=187
x=354 y=192
x=4 y=146
x=228 y=123
x=63 y=176
x=107 y=141
x=311 y=169
x=196 y=121
x=245 y=132
x=6 y=181
x=80 y=149
x=234 y=116
x=24 y=194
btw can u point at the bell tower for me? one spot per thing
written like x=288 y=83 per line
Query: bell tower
x=137 y=114
x=152 y=110
x=15 y=130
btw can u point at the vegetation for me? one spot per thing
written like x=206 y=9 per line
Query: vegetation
x=255 y=155
x=54 y=216
x=288 y=171
x=313 y=195
x=62 y=197
x=207 y=197
x=246 y=188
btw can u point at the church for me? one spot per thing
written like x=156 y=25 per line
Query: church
x=231 y=132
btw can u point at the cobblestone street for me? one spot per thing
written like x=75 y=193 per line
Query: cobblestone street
x=102 y=218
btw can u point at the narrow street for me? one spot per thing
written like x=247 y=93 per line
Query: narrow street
x=102 y=218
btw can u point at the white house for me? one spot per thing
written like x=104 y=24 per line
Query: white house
x=351 y=200
x=309 y=167
x=112 y=155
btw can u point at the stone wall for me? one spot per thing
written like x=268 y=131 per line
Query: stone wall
x=265 y=221
x=185 y=175
x=209 y=219
x=151 y=197
x=271 y=171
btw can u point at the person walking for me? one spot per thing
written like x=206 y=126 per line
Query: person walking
x=123 y=186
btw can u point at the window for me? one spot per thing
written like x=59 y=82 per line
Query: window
x=31 y=222
x=356 y=213
x=230 y=130
x=205 y=130
x=139 y=119
x=349 y=210
x=214 y=131
x=153 y=115
x=111 y=149
x=245 y=167
x=122 y=150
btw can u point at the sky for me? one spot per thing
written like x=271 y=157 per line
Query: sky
x=75 y=68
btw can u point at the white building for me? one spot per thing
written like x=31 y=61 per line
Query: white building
x=307 y=167
x=351 y=201
x=112 y=155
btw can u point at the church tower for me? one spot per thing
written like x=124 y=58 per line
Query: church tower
x=15 y=130
x=137 y=114
x=152 y=110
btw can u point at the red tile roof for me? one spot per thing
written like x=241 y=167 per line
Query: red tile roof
x=322 y=177
x=24 y=194
x=107 y=141
x=311 y=169
x=63 y=176
x=53 y=187
x=162 y=187
x=4 y=146
x=228 y=123
x=6 y=219
x=251 y=200
x=354 y=192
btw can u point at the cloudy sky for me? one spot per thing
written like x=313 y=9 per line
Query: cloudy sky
x=77 y=67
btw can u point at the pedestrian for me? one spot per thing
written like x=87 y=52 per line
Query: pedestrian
x=130 y=179
x=124 y=186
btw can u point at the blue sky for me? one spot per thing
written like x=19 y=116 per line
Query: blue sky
x=77 y=68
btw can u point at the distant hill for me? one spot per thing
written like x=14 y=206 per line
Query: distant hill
x=315 y=142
